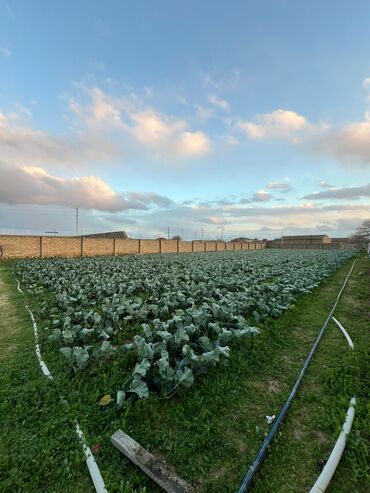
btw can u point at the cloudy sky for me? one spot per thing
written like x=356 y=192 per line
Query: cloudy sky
x=241 y=117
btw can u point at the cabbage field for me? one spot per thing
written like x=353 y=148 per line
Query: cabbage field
x=173 y=316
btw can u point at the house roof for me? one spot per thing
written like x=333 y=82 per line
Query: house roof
x=122 y=235
x=305 y=237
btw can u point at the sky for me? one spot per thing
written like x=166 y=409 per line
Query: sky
x=213 y=118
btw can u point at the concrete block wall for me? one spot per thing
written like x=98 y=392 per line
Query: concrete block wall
x=15 y=246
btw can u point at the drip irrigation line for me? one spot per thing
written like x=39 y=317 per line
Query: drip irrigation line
x=92 y=466
x=261 y=454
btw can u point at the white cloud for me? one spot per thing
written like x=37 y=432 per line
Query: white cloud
x=304 y=218
x=220 y=103
x=216 y=220
x=353 y=193
x=22 y=145
x=23 y=110
x=325 y=184
x=229 y=140
x=203 y=114
x=349 y=143
x=261 y=196
x=168 y=136
x=34 y=185
x=5 y=52
x=281 y=187
x=281 y=124
x=104 y=111
x=224 y=82
x=366 y=83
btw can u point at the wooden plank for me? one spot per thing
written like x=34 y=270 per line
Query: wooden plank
x=153 y=467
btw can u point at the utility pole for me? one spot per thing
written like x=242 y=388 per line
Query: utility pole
x=168 y=233
x=76 y=221
x=202 y=231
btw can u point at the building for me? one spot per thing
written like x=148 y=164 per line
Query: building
x=306 y=239
x=242 y=239
x=301 y=241
x=121 y=235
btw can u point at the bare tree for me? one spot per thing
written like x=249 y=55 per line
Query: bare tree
x=362 y=235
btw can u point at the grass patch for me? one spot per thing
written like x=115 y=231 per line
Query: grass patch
x=209 y=433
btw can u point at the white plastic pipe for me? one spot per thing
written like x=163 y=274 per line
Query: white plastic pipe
x=44 y=368
x=345 y=333
x=94 y=471
x=330 y=467
x=332 y=463
x=91 y=464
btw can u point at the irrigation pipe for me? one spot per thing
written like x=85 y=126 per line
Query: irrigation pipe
x=344 y=332
x=261 y=454
x=94 y=471
x=327 y=473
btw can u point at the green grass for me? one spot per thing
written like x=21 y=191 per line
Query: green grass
x=209 y=433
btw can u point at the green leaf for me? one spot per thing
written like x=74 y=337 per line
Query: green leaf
x=106 y=347
x=140 y=388
x=121 y=396
x=68 y=337
x=166 y=372
x=67 y=352
x=142 y=368
x=181 y=336
x=185 y=377
x=81 y=356
x=87 y=332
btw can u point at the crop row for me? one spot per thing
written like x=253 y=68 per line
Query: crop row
x=179 y=314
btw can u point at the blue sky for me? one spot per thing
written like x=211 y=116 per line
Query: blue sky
x=253 y=117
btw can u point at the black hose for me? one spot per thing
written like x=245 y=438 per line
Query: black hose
x=257 y=462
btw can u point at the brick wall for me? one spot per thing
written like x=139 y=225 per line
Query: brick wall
x=220 y=246
x=168 y=246
x=20 y=246
x=198 y=246
x=210 y=246
x=185 y=246
x=97 y=246
x=149 y=246
x=12 y=246
x=61 y=246
x=126 y=247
